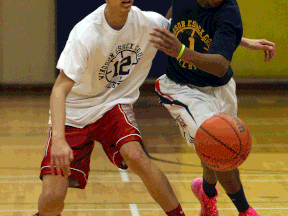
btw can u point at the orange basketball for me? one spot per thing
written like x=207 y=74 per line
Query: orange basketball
x=223 y=142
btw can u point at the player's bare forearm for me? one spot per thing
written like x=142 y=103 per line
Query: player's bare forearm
x=59 y=93
x=169 y=13
x=165 y=41
x=214 y=64
x=61 y=153
x=243 y=42
x=57 y=105
x=268 y=47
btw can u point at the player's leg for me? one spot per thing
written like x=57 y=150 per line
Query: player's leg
x=54 y=187
x=154 y=179
x=51 y=200
x=209 y=181
x=119 y=133
x=190 y=107
x=230 y=180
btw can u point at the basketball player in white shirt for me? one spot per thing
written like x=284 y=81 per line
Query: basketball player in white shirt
x=105 y=61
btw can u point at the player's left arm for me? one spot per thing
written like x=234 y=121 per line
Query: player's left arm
x=169 y=13
x=165 y=41
x=268 y=47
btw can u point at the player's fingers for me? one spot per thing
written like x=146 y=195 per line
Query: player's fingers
x=66 y=167
x=170 y=36
x=266 y=55
x=62 y=165
x=167 y=33
x=158 y=47
x=266 y=42
x=159 y=42
x=159 y=35
x=265 y=47
x=269 y=56
x=71 y=157
x=163 y=31
x=57 y=163
x=161 y=48
x=52 y=165
x=272 y=47
x=162 y=37
x=273 y=53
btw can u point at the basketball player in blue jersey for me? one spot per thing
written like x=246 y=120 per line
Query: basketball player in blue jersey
x=198 y=83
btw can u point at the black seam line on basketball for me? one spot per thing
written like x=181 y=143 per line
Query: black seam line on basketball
x=234 y=132
x=215 y=159
x=223 y=144
x=211 y=158
x=176 y=102
x=237 y=162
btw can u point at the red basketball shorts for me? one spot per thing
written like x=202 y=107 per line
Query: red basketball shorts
x=115 y=128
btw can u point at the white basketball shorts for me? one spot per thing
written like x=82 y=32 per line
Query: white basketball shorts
x=190 y=105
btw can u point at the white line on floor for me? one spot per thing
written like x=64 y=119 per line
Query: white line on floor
x=168 y=175
x=134 y=209
x=124 y=175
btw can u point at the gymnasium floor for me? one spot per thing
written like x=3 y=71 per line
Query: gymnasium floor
x=23 y=125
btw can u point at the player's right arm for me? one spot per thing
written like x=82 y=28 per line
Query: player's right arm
x=268 y=47
x=61 y=153
x=169 y=13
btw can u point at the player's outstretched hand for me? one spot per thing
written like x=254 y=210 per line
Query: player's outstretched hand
x=61 y=156
x=165 y=41
x=268 y=47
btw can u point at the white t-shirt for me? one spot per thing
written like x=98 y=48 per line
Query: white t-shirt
x=108 y=66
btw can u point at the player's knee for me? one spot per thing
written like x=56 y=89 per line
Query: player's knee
x=52 y=199
x=136 y=158
x=134 y=155
x=53 y=192
x=51 y=203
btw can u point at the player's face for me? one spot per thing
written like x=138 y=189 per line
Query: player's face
x=122 y=5
x=214 y=3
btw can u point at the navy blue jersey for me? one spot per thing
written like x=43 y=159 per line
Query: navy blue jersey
x=206 y=30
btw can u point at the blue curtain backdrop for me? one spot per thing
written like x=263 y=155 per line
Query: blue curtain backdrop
x=68 y=13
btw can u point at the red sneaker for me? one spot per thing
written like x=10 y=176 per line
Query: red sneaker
x=208 y=204
x=249 y=212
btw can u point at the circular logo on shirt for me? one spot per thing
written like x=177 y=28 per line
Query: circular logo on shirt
x=119 y=64
x=194 y=37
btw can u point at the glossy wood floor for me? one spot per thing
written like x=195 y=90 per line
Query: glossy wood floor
x=110 y=192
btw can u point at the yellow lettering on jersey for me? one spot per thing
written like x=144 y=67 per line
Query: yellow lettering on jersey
x=185 y=28
x=201 y=32
x=192 y=40
x=183 y=24
x=192 y=67
x=182 y=63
